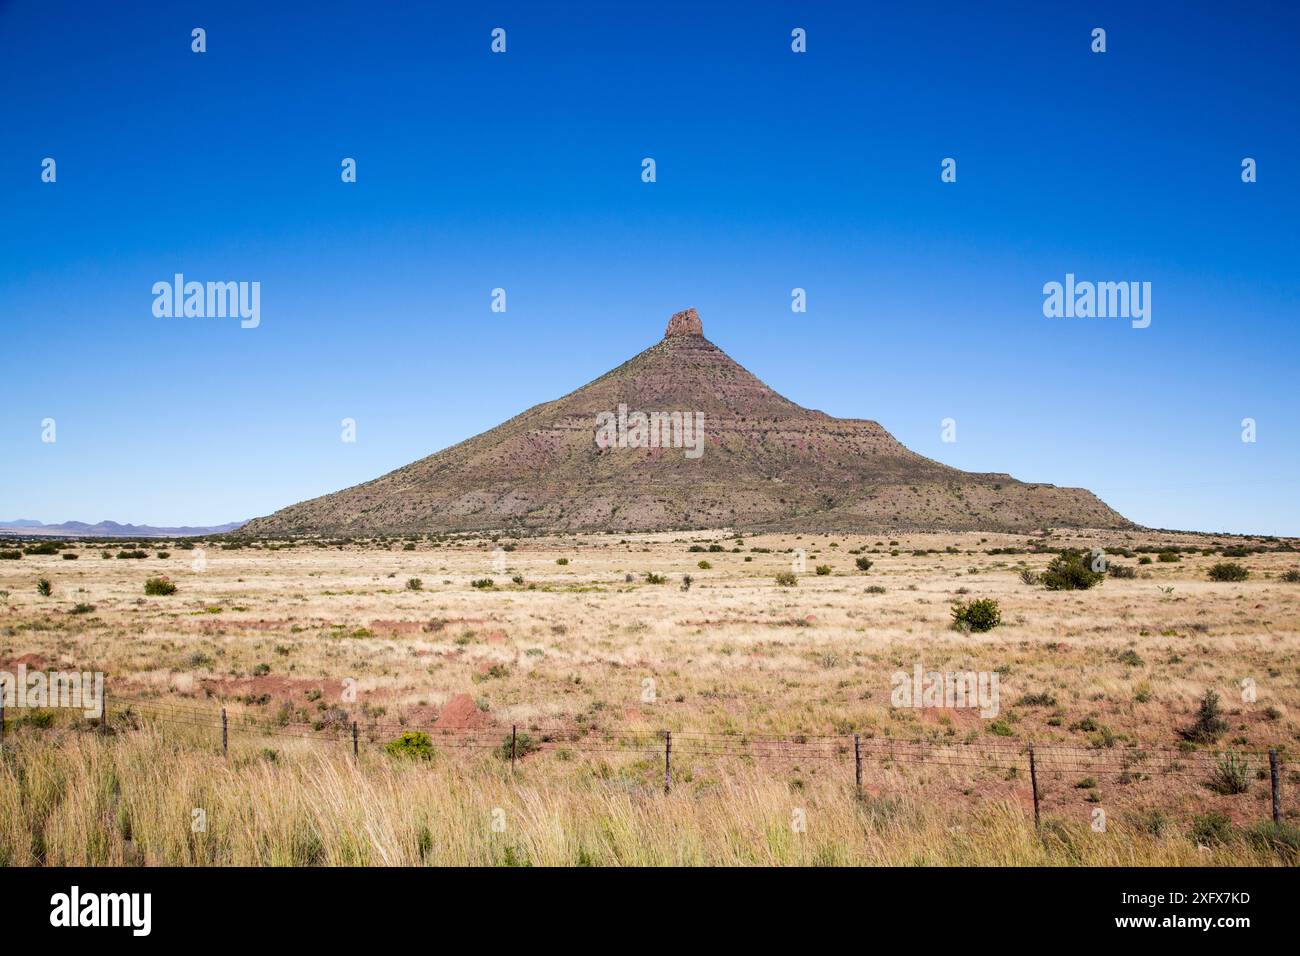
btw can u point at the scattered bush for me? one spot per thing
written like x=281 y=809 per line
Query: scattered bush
x=43 y=587
x=561 y=561
x=1212 y=829
x=414 y=584
x=523 y=744
x=412 y=745
x=159 y=586
x=652 y=578
x=69 y=556
x=45 y=547
x=481 y=583
x=10 y=555
x=704 y=566
x=864 y=564
x=1168 y=557
x=1122 y=571
x=1209 y=724
x=786 y=579
x=979 y=615
x=1230 y=776
x=135 y=555
x=875 y=589
x=823 y=569
x=1228 y=571
x=1070 y=571
x=1028 y=577
x=82 y=609
x=1291 y=576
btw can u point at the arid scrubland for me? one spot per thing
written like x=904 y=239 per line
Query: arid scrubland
x=592 y=645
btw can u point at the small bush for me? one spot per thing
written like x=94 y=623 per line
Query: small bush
x=823 y=569
x=1028 y=577
x=1122 y=571
x=524 y=744
x=1230 y=776
x=136 y=555
x=10 y=555
x=412 y=745
x=875 y=589
x=414 y=584
x=481 y=583
x=786 y=579
x=652 y=578
x=518 y=579
x=561 y=561
x=43 y=587
x=704 y=566
x=1291 y=576
x=1070 y=571
x=159 y=587
x=1209 y=724
x=1228 y=571
x=1212 y=829
x=864 y=564
x=979 y=615
x=69 y=556
x=45 y=547
x=1168 y=557
x=82 y=609
x=164 y=555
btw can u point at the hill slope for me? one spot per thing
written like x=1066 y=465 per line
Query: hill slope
x=764 y=463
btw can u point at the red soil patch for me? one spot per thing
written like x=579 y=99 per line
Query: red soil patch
x=461 y=713
x=396 y=627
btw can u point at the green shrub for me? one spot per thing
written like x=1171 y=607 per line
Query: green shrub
x=979 y=615
x=1228 y=571
x=1291 y=576
x=43 y=587
x=823 y=569
x=412 y=745
x=10 y=555
x=1168 y=557
x=524 y=744
x=786 y=579
x=45 y=547
x=1209 y=724
x=1070 y=571
x=481 y=583
x=1212 y=829
x=652 y=578
x=159 y=586
x=414 y=584
x=82 y=609
x=69 y=556
x=875 y=589
x=1122 y=571
x=135 y=555
x=704 y=566
x=864 y=564
x=561 y=561
x=1231 y=775
x=1028 y=577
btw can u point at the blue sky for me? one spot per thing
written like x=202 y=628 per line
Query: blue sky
x=775 y=170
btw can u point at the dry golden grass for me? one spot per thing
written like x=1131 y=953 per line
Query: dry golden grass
x=274 y=634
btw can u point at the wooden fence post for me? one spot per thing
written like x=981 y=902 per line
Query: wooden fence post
x=225 y=739
x=857 y=762
x=514 y=740
x=668 y=760
x=1276 y=776
x=354 y=740
x=1033 y=782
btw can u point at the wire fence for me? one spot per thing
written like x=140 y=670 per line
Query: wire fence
x=1007 y=757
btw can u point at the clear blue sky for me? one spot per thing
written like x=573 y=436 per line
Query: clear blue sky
x=522 y=170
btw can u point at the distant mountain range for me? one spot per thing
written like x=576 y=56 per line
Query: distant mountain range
x=110 y=529
x=718 y=448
